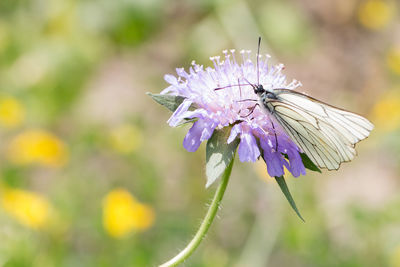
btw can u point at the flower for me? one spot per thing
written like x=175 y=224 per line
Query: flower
x=29 y=208
x=395 y=257
x=260 y=134
x=393 y=59
x=37 y=146
x=122 y=214
x=386 y=112
x=375 y=14
x=11 y=112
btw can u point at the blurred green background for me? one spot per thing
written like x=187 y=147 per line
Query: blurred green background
x=91 y=174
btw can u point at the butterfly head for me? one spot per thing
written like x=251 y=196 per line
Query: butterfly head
x=258 y=89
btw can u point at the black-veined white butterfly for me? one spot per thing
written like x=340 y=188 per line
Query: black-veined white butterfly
x=327 y=134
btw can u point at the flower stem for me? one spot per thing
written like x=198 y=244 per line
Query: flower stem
x=205 y=225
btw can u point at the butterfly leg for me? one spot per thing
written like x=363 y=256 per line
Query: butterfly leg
x=251 y=110
x=276 y=137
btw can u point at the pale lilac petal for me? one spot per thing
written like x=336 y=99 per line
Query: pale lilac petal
x=181 y=72
x=171 y=79
x=234 y=132
x=192 y=139
x=274 y=161
x=195 y=114
x=169 y=89
x=178 y=115
x=207 y=131
x=198 y=133
x=274 y=165
x=248 y=149
x=296 y=164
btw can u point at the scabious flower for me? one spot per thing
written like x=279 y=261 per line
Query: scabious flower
x=233 y=105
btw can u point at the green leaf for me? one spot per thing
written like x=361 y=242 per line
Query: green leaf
x=171 y=102
x=285 y=190
x=219 y=154
x=308 y=163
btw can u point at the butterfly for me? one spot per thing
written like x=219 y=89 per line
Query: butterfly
x=326 y=134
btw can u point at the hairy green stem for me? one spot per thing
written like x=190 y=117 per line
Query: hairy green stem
x=205 y=225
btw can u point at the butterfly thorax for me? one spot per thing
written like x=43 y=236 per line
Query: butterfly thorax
x=264 y=96
x=263 y=93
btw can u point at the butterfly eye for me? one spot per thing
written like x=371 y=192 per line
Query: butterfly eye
x=258 y=89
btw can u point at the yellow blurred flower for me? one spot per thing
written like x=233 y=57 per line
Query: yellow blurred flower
x=125 y=138
x=375 y=14
x=395 y=259
x=30 y=209
x=386 y=112
x=123 y=214
x=62 y=19
x=12 y=113
x=393 y=59
x=37 y=146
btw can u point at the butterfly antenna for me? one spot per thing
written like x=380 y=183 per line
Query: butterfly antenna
x=258 y=55
x=249 y=83
x=220 y=88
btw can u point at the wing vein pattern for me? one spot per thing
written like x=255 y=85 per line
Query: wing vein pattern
x=325 y=133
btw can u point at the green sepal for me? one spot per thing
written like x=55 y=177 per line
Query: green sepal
x=171 y=102
x=308 y=163
x=285 y=190
x=219 y=154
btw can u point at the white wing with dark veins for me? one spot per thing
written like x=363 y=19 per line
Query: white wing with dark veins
x=325 y=133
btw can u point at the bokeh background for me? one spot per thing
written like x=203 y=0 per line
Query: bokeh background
x=91 y=175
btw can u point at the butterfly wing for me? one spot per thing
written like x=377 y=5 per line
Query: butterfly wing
x=325 y=133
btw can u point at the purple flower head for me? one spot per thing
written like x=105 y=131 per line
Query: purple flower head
x=260 y=134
